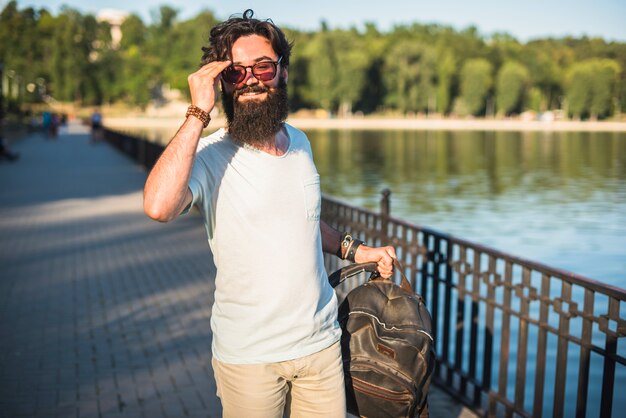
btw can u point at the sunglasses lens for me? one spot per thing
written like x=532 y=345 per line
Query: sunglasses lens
x=264 y=71
x=234 y=75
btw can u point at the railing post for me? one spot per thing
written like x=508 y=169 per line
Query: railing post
x=384 y=203
x=385 y=210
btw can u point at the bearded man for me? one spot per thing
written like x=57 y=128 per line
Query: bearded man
x=276 y=338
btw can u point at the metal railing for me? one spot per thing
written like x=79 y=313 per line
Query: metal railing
x=513 y=337
x=143 y=151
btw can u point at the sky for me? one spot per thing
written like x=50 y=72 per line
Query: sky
x=525 y=20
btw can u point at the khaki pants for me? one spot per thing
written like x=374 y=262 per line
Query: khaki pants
x=310 y=386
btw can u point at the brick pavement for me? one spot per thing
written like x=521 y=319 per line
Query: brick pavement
x=103 y=312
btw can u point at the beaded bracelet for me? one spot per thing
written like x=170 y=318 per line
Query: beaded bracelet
x=195 y=111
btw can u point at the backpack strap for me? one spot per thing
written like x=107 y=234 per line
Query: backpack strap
x=404 y=284
x=344 y=273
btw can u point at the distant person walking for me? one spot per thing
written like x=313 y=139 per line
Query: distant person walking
x=96 y=126
x=46 y=123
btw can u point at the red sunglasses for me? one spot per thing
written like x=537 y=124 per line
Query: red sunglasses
x=262 y=71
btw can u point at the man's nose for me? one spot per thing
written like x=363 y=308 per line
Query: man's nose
x=250 y=78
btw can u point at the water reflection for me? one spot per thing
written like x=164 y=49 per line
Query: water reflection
x=555 y=197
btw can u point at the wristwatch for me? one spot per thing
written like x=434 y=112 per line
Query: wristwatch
x=348 y=247
x=346 y=242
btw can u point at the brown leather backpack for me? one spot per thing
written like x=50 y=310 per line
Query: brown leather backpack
x=387 y=346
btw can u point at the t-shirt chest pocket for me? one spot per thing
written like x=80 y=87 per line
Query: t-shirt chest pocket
x=312 y=198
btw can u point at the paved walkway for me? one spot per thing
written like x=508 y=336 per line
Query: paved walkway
x=103 y=312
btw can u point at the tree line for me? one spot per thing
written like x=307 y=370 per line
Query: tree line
x=411 y=69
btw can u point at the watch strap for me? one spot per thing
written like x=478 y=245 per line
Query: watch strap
x=356 y=243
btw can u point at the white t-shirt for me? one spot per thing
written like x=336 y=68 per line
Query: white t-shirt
x=273 y=301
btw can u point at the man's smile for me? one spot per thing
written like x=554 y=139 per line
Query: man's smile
x=252 y=95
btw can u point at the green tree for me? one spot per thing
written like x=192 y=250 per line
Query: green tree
x=605 y=80
x=20 y=51
x=375 y=46
x=135 y=73
x=617 y=51
x=476 y=82
x=76 y=56
x=134 y=32
x=321 y=76
x=350 y=71
x=536 y=100
x=185 y=56
x=503 y=48
x=410 y=75
x=579 y=90
x=446 y=70
x=298 y=71
x=137 y=77
x=547 y=61
x=512 y=81
x=162 y=48
x=592 y=87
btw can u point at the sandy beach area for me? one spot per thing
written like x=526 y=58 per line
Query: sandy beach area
x=389 y=123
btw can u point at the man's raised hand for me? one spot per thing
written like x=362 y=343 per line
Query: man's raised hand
x=204 y=82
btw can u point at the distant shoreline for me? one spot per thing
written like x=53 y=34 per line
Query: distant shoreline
x=392 y=123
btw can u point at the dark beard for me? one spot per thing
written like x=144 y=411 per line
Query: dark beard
x=256 y=123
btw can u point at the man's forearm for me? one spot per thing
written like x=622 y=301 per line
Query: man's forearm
x=166 y=190
x=331 y=238
x=383 y=256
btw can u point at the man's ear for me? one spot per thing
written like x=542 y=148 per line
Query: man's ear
x=285 y=74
